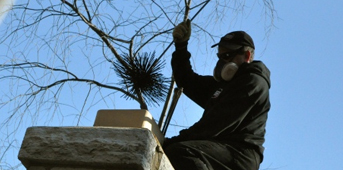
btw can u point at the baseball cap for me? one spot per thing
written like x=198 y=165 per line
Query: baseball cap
x=235 y=40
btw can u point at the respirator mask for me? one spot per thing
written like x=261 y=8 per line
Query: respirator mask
x=224 y=71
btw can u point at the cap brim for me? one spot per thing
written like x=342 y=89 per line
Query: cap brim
x=228 y=46
x=214 y=45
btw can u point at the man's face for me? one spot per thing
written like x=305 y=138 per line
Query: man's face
x=231 y=56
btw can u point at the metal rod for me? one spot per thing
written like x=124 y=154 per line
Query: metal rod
x=176 y=96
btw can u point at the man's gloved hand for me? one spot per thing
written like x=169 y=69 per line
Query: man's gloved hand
x=182 y=32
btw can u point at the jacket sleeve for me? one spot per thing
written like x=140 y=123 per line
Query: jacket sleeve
x=197 y=88
x=230 y=110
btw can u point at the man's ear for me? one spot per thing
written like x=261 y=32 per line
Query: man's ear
x=247 y=56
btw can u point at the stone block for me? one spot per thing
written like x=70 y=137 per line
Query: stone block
x=96 y=148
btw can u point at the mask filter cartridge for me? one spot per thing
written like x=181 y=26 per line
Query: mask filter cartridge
x=224 y=71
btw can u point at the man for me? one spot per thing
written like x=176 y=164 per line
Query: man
x=235 y=99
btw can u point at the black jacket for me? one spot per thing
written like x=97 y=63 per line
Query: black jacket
x=235 y=111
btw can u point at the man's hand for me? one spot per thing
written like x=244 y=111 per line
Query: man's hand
x=182 y=32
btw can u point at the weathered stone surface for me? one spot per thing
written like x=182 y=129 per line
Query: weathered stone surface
x=83 y=148
x=165 y=164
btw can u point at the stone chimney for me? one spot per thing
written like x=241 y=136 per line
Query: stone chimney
x=111 y=144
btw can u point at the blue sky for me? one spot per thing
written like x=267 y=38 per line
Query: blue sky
x=304 y=53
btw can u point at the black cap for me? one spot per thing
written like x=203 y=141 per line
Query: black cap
x=235 y=40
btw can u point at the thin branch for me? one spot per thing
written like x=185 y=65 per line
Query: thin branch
x=101 y=34
x=4 y=152
x=165 y=14
x=84 y=104
x=150 y=39
x=32 y=65
x=89 y=15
